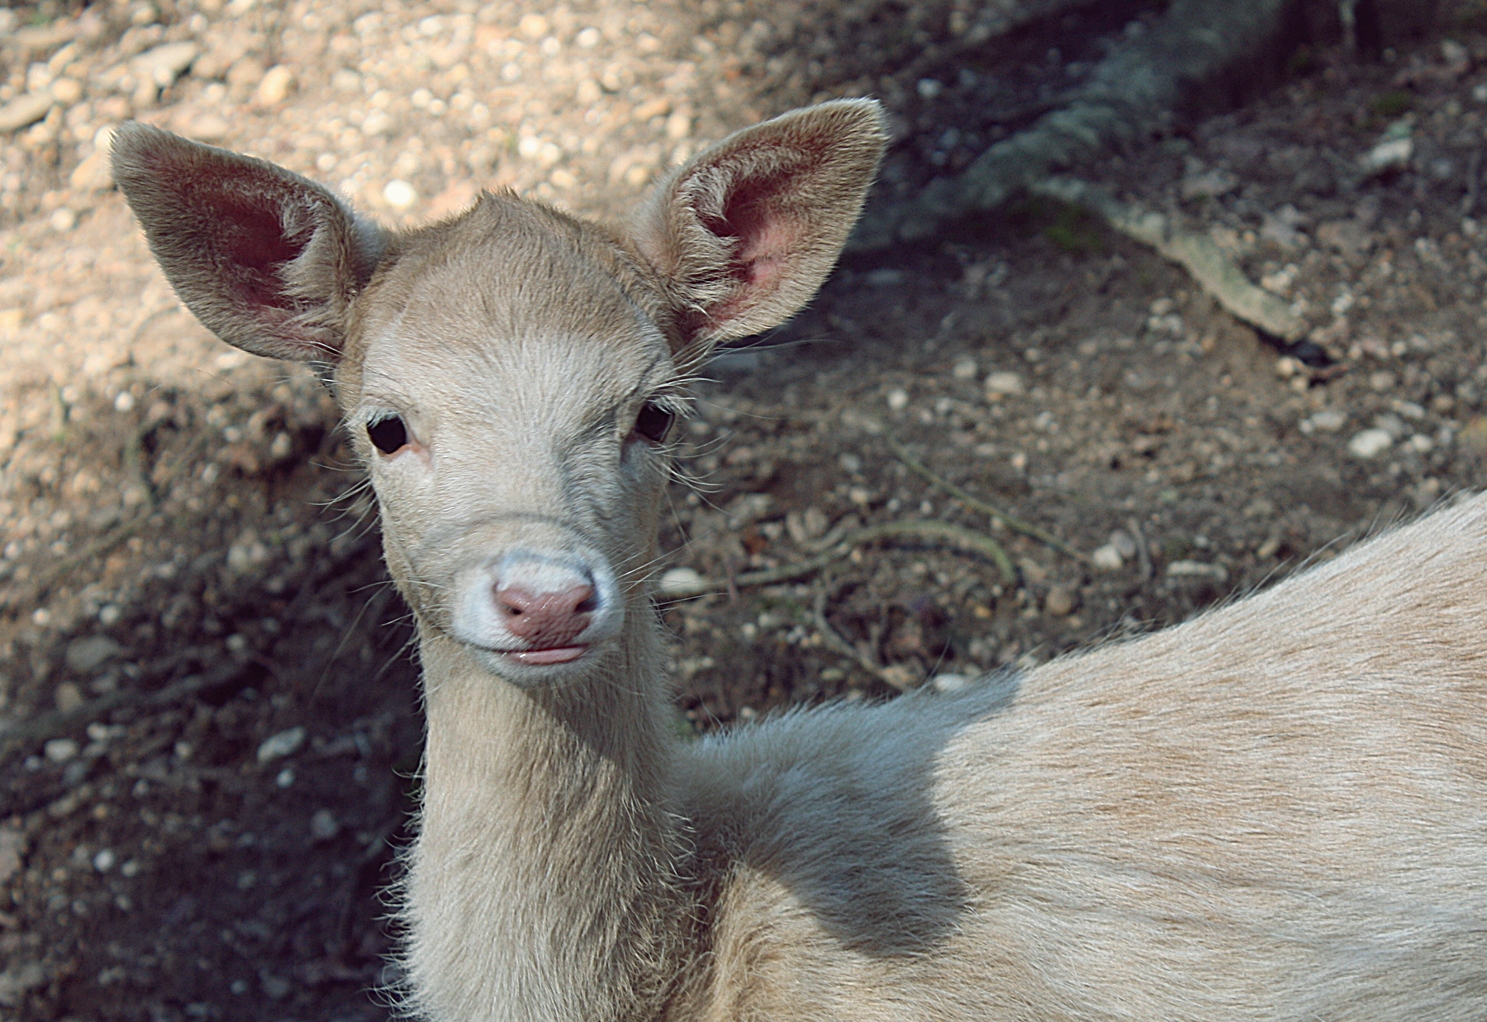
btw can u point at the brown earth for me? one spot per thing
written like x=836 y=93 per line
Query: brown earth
x=211 y=723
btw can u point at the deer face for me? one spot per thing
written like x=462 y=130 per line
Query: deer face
x=512 y=397
x=510 y=377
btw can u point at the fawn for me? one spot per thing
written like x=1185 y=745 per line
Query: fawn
x=1277 y=810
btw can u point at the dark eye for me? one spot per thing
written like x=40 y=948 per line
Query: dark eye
x=388 y=434
x=653 y=422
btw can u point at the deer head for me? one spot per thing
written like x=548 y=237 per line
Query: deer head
x=510 y=377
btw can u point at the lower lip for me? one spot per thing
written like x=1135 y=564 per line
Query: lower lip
x=556 y=655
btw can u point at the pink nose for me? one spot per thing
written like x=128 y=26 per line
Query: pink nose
x=546 y=620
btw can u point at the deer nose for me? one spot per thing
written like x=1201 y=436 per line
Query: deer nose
x=546 y=619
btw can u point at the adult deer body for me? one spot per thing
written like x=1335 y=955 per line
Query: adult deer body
x=1276 y=811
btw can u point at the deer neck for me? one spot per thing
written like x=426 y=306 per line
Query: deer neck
x=544 y=883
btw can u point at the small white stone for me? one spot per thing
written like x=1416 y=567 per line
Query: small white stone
x=965 y=369
x=62 y=220
x=285 y=743
x=104 y=860
x=929 y=88
x=1394 y=152
x=1107 y=558
x=60 y=750
x=679 y=125
x=124 y=402
x=949 y=682
x=898 y=399
x=679 y=582
x=399 y=193
x=1003 y=384
x=1329 y=420
x=1370 y=443
x=278 y=82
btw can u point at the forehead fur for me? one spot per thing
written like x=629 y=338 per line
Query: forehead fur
x=508 y=268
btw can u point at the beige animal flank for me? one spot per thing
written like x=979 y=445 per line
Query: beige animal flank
x=1277 y=811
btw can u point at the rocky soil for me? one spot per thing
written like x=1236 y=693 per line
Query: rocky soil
x=208 y=720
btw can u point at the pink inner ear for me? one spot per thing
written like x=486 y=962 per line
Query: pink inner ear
x=768 y=237
x=758 y=267
x=762 y=257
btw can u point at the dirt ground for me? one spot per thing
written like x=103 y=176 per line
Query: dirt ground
x=209 y=722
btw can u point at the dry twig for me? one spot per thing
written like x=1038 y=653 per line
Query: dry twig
x=899 y=679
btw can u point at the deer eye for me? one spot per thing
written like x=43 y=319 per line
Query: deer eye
x=388 y=435
x=653 y=422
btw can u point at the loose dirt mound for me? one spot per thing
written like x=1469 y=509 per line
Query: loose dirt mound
x=212 y=725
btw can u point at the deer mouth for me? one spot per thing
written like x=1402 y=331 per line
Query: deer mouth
x=549 y=655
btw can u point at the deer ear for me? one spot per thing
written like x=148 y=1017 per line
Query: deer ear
x=267 y=260
x=745 y=233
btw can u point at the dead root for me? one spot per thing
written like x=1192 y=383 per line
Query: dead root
x=1215 y=272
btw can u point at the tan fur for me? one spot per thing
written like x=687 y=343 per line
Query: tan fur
x=1276 y=811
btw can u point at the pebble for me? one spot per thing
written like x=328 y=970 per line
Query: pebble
x=60 y=750
x=324 y=825
x=285 y=743
x=24 y=110
x=1003 y=384
x=1107 y=558
x=68 y=697
x=164 y=64
x=1061 y=601
x=949 y=682
x=86 y=655
x=1124 y=543
x=1370 y=443
x=399 y=194
x=62 y=220
x=12 y=844
x=898 y=399
x=278 y=82
x=93 y=174
x=1329 y=420
x=104 y=860
x=1388 y=155
x=680 y=582
x=245 y=73
x=965 y=369
x=67 y=91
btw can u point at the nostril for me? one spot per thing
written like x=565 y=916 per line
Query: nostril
x=588 y=604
